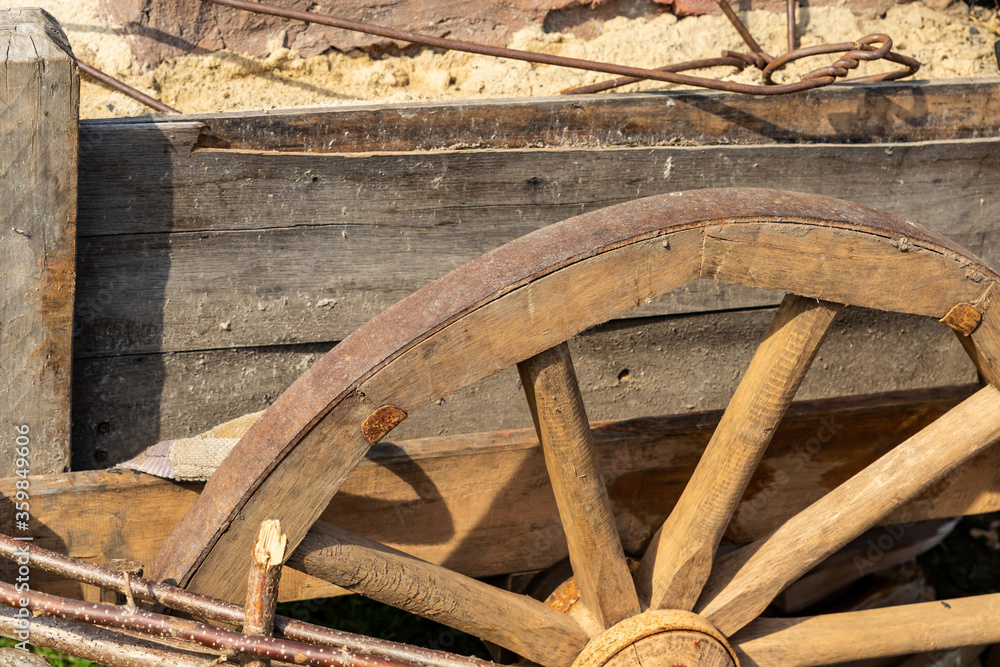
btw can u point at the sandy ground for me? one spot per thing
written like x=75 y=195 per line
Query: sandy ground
x=950 y=45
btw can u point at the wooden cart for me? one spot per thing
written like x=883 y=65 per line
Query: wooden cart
x=214 y=250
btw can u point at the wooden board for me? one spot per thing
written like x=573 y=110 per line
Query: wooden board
x=856 y=113
x=623 y=366
x=101 y=515
x=431 y=498
x=218 y=249
x=121 y=405
x=39 y=109
x=219 y=252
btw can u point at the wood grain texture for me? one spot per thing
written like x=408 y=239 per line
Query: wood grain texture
x=984 y=349
x=674 y=648
x=456 y=357
x=595 y=550
x=123 y=404
x=289 y=248
x=524 y=625
x=262 y=587
x=310 y=475
x=885 y=272
x=858 y=113
x=744 y=582
x=136 y=512
x=659 y=637
x=431 y=498
x=676 y=565
x=39 y=110
x=819 y=640
x=486 y=316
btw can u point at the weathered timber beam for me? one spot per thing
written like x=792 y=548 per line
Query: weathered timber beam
x=415 y=495
x=170 y=236
x=39 y=110
x=897 y=111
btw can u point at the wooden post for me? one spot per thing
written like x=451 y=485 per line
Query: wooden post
x=39 y=114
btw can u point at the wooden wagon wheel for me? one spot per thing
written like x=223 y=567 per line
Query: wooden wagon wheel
x=517 y=305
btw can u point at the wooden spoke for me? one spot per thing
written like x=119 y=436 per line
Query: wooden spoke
x=679 y=559
x=744 y=582
x=526 y=297
x=528 y=627
x=872 y=633
x=595 y=549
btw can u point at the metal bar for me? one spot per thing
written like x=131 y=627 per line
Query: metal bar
x=124 y=88
x=210 y=636
x=220 y=611
x=527 y=56
x=791 y=24
x=744 y=32
x=730 y=61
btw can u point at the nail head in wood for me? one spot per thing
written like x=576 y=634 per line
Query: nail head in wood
x=963 y=318
x=378 y=424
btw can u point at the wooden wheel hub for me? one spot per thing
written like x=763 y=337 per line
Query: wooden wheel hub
x=667 y=637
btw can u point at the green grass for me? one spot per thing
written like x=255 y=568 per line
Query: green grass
x=56 y=658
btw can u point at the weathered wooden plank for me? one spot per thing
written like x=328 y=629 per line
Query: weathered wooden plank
x=481 y=504
x=896 y=111
x=100 y=515
x=124 y=404
x=39 y=110
x=281 y=248
x=121 y=405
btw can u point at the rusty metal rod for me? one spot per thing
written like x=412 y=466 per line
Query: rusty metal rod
x=527 y=56
x=790 y=12
x=730 y=61
x=210 y=636
x=220 y=611
x=852 y=54
x=124 y=88
x=106 y=647
x=741 y=28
